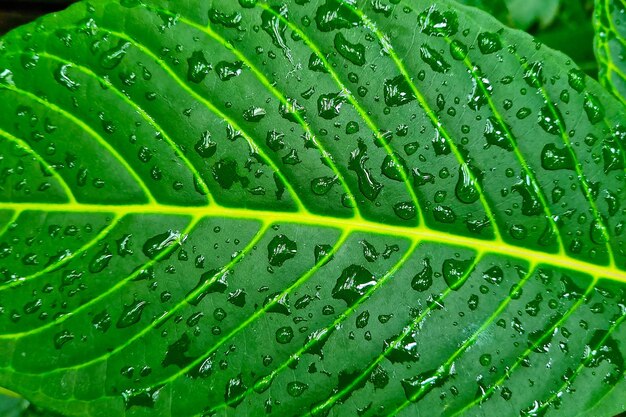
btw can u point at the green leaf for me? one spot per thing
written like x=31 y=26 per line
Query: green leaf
x=11 y=405
x=14 y=406
x=528 y=12
x=497 y=8
x=306 y=208
x=564 y=26
x=521 y=14
x=610 y=45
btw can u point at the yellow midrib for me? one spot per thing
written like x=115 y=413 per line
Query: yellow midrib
x=347 y=224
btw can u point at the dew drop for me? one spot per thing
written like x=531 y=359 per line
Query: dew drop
x=456 y=272
x=281 y=249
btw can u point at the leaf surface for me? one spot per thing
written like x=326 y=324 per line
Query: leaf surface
x=306 y=208
x=610 y=45
x=12 y=406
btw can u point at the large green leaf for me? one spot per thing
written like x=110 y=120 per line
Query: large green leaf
x=610 y=45
x=337 y=208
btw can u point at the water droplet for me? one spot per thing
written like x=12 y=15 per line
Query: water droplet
x=598 y=232
x=363 y=319
x=496 y=134
x=393 y=167
x=485 y=359
x=275 y=27
x=456 y=272
x=237 y=298
x=405 y=210
x=142 y=397
x=576 y=79
x=534 y=75
x=6 y=77
x=227 y=20
x=466 y=189
x=444 y=214
x=551 y=121
x=418 y=386
x=60 y=339
x=554 y=158
x=296 y=388
x=227 y=70
x=594 y=109
x=434 y=59
x=531 y=205
x=102 y=321
x=423 y=280
x=379 y=377
x=523 y=113
x=329 y=105
x=481 y=86
x=176 y=353
x=205 y=146
x=352 y=127
x=322 y=185
x=254 y=114
x=458 y=50
x=112 y=58
x=62 y=77
x=533 y=306
x=279 y=304
x=247 y=4
x=198 y=67
x=161 y=242
x=397 y=91
x=280 y=249
x=333 y=15
x=101 y=260
x=29 y=60
x=489 y=42
x=353 y=284
x=369 y=251
x=322 y=251
x=368 y=186
x=613 y=155
x=316 y=64
x=403 y=350
x=435 y=23
x=353 y=52
x=234 y=391
x=131 y=314
x=284 y=335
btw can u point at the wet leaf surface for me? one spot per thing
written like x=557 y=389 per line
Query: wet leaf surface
x=342 y=208
x=610 y=45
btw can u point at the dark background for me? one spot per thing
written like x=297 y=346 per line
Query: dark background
x=17 y=12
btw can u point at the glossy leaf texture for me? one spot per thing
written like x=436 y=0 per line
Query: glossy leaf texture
x=333 y=208
x=610 y=45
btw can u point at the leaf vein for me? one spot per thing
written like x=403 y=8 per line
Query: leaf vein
x=86 y=128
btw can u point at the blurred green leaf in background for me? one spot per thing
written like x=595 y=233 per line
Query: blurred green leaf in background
x=560 y=24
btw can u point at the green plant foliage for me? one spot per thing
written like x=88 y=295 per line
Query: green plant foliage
x=307 y=208
x=11 y=406
x=610 y=45
x=524 y=14
x=565 y=26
